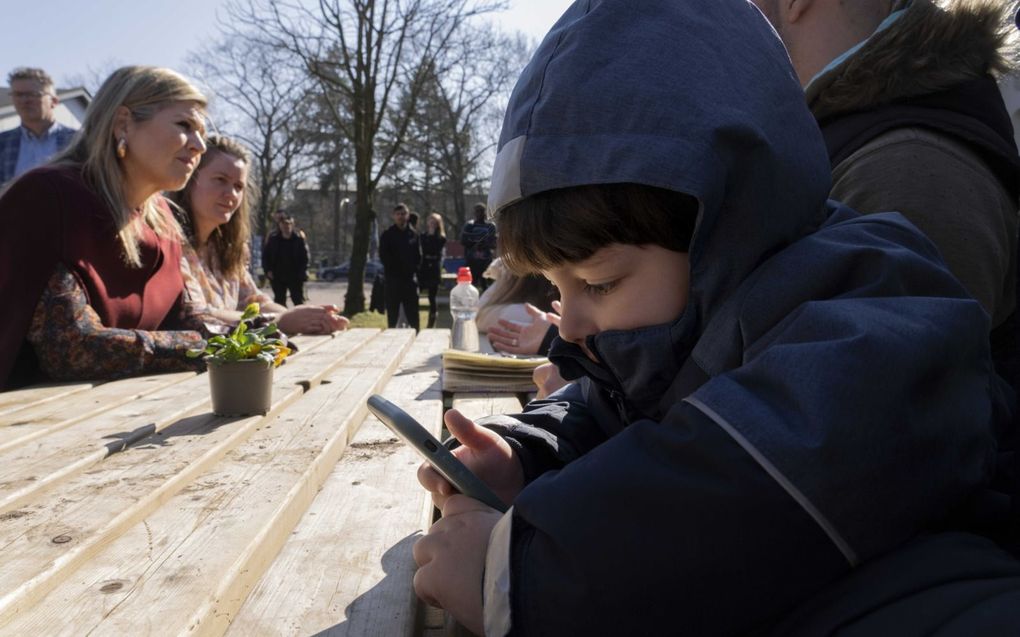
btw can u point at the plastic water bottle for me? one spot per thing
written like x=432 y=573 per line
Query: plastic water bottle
x=464 y=308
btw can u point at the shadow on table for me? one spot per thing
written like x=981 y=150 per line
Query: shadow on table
x=389 y=604
x=146 y=436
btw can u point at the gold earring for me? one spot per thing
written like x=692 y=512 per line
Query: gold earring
x=122 y=148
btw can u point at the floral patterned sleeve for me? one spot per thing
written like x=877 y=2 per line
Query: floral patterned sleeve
x=71 y=342
x=249 y=292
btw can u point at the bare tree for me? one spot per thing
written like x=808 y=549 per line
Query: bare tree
x=93 y=76
x=455 y=126
x=259 y=95
x=363 y=54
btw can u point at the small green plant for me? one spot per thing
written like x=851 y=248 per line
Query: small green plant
x=245 y=344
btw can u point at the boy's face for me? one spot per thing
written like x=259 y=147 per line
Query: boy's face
x=621 y=287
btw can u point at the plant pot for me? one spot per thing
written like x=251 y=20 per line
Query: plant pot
x=240 y=388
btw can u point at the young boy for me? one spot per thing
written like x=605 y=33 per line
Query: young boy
x=771 y=390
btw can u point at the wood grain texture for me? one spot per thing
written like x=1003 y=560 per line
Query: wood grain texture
x=27 y=470
x=31 y=423
x=195 y=556
x=92 y=509
x=347 y=568
x=18 y=399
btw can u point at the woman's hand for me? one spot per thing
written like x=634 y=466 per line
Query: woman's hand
x=312 y=319
x=485 y=453
x=451 y=560
x=518 y=338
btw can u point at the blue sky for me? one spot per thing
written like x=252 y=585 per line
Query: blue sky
x=72 y=39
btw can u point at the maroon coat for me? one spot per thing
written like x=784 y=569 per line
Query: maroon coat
x=50 y=216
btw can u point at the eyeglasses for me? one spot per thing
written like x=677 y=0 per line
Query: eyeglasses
x=28 y=94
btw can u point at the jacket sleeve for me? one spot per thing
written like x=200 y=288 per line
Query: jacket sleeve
x=268 y=254
x=975 y=227
x=303 y=257
x=551 y=432
x=666 y=524
x=385 y=256
x=71 y=342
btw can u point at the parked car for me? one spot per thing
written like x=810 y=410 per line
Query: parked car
x=341 y=271
x=452 y=264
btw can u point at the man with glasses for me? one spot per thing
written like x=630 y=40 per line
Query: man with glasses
x=40 y=136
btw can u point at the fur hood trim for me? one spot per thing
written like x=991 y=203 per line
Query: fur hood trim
x=930 y=49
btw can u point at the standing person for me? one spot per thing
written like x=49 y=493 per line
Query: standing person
x=40 y=136
x=430 y=275
x=285 y=262
x=914 y=122
x=479 y=240
x=90 y=253
x=214 y=213
x=774 y=393
x=400 y=254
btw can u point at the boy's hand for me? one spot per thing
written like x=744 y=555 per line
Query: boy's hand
x=451 y=560
x=547 y=378
x=484 y=452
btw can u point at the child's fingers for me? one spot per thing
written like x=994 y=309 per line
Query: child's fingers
x=468 y=433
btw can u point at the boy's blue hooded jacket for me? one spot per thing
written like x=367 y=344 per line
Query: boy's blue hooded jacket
x=826 y=396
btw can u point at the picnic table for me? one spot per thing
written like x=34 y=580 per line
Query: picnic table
x=128 y=508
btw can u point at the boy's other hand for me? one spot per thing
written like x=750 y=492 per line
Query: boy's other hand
x=547 y=378
x=451 y=560
x=485 y=453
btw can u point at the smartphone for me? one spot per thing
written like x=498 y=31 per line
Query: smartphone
x=410 y=430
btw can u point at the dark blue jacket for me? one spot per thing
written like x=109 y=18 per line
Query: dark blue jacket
x=826 y=396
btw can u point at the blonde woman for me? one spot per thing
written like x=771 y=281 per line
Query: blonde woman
x=90 y=253
x=433 y=242
x=214 y=212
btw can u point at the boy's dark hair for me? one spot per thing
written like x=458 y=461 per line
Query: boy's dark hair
x=402 y=206
x=567 y=225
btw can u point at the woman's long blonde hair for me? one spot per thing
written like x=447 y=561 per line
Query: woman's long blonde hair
x=143 y=90
x=440 y=230
x=228 y=242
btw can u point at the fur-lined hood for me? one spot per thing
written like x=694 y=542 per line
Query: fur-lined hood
x=929 y=49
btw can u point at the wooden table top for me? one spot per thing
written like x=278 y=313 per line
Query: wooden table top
x=127 y=508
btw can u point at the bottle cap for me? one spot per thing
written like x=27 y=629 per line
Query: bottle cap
x=464 y=275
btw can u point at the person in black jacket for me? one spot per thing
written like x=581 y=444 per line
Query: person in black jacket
x=285 y=262
x=400 y=255
x=479 y=240
x=430 y=274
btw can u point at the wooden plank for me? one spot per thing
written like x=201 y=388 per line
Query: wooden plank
x=347 y=567
x=27 y=470
x=480 y=405
x=195 y=557
x=97 y=506
x=35 y=422
x=17 y=399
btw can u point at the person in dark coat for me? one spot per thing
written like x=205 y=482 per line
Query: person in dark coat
x=433 y=242
x=774 y=394
x=400 y=254
x=285 y=262
x=479 y=240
